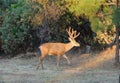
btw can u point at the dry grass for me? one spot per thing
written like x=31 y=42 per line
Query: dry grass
x=85 y=68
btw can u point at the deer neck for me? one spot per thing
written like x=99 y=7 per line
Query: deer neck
x=68 y=46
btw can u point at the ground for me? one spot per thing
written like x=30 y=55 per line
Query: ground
x=85 y=68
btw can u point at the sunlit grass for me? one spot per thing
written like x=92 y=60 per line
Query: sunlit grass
x=93 y=62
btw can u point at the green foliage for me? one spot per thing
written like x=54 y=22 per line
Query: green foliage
x=87 y=7
x=7 y=3
x=116 y=17
x=16 y=24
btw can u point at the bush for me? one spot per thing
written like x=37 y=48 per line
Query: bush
x=16 y=25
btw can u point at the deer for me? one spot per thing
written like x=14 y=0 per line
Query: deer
x=58 y=49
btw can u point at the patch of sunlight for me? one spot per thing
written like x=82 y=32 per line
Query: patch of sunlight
x=90 y=63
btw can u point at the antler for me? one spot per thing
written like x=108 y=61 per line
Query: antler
x=73 y=33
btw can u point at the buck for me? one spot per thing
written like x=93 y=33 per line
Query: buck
x=58 y=49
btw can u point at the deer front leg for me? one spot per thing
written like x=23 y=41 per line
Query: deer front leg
x=64 y=56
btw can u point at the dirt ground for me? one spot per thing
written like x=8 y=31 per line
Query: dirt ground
x=85 y=68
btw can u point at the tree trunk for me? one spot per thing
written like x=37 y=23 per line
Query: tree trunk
x=117 y=46
x=117 y=40
x=119 y=78
x=117 y=1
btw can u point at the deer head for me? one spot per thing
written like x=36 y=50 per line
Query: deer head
x=72 y=35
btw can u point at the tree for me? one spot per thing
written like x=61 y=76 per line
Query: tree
x=117 y=23
x=117 y=46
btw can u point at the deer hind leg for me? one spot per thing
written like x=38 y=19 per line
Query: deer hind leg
x=40 y=62
x=58 y=61
x=64 y=56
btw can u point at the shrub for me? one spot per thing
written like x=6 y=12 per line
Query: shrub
x=16 y=25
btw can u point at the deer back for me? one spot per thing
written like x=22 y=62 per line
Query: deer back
x=55 y=48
